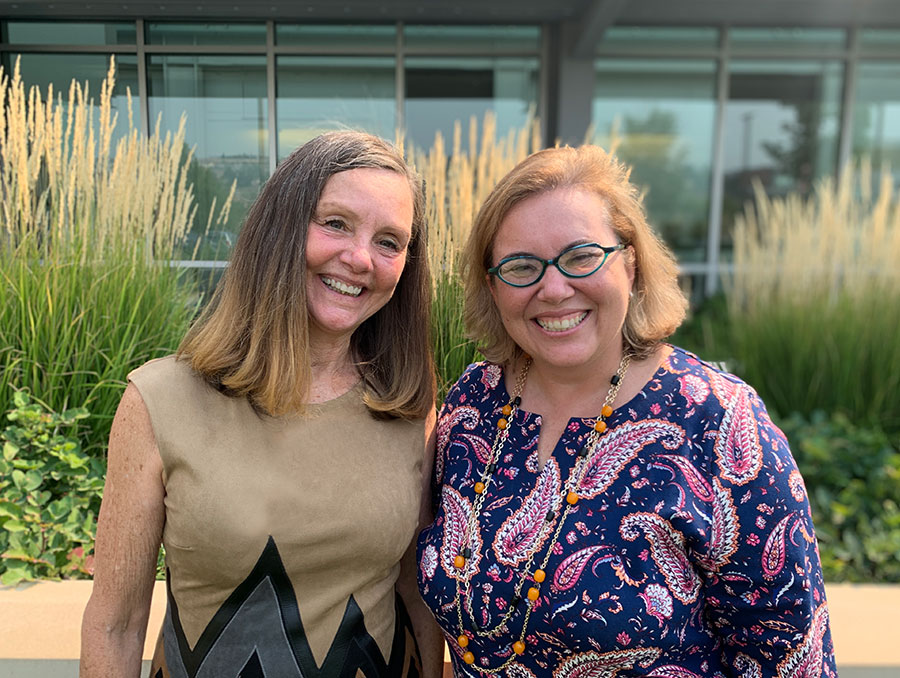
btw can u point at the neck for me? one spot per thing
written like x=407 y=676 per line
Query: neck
x=331 y=366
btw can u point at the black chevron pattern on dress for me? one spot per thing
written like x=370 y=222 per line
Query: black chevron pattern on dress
x=258 y=633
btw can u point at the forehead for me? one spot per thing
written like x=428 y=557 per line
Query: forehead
x=548 y=222
x=370 y=190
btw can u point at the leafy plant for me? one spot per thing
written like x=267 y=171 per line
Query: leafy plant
x=852 y=474
x=49 y=495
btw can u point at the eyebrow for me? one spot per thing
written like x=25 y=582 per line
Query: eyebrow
x=574 y=243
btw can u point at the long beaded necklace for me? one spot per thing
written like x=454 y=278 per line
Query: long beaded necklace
x=571 y=496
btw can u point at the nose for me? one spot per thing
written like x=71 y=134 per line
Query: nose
x=358 y=257
x=554 y=286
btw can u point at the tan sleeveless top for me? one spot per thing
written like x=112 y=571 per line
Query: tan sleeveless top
x=283 y=536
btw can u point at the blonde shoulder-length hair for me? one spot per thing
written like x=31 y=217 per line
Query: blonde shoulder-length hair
x=657 y=306
x=253 y=339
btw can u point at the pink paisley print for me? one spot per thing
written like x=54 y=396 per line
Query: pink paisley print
x=490 y=377
x=569 y=570
x=798 y=489
x=429 y=561
x=527 y=529
x=694 y=389
x=738 y=450
x=480 y=446
x=457 y=510
x=658 y=601
x=699 y=485
x=747 y=667
x=806 y=660
x=667 y=550
x=606 y=665
x=724 y=532
x=515 y=670
x=722 y=387
x=774 y=551
x=671 y=671
x=621 y=445
x=467 y=417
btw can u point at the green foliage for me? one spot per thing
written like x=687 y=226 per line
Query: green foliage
x=49 y=495
x=452 y=350
x=852 y=474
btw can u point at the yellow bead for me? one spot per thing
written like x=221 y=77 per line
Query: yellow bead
x=479 y=488
x=539 y=576
x=600 y=426
x=519 y=647
x=469 y=658
x=459 y=562
x=572 y=498
x=463 y=640
x=502 y=424
x=507 y=410
x=606 y=411
x=533 y=593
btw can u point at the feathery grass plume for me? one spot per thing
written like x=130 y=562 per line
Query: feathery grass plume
x=815 y=297
x=455 y=186
x=86 y=227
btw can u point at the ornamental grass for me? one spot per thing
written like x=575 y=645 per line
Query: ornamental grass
x=86 y=230
x=814 y=301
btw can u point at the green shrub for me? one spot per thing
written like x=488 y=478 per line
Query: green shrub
x=49 y=495
x=852 y=474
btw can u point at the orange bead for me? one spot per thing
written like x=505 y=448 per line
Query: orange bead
x=463 y=640
x=469 y=658
x=606 y=411
x=507 y=410
x=519 y=647
x=539 y=576
x=533 y=593
x=459 y=562
x=572 y=498
x=600 y=426
x=502 y=424
x=479 y=488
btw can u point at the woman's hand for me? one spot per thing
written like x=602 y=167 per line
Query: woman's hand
x=129 y=532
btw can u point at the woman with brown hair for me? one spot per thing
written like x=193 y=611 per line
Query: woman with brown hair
x=280 y=455
x=609 y=503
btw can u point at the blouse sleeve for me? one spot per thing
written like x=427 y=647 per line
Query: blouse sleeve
x=764 y=592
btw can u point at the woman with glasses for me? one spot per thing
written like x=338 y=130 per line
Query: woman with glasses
x=607 y=503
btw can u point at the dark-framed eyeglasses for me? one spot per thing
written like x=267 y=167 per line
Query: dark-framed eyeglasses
x=578 y=261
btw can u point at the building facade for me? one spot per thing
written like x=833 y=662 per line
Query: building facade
x=704 y=98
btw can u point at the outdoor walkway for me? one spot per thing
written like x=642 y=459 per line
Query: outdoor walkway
x=39 y=629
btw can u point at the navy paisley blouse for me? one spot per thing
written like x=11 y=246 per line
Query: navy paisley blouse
x=691 y=552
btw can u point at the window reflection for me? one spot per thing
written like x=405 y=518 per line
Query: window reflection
x=661 y=114
x=876 y=124
x=227 y=117
x=782 y=123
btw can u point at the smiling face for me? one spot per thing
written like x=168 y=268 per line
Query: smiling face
x=563 y=322
x=355 y=250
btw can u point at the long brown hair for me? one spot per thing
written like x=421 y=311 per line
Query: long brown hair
x=253 y=339
x=658 y=305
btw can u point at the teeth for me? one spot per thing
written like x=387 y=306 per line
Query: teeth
x=343 y=288
x=562 y=324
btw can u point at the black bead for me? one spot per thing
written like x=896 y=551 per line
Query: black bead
x=550 y=516
x=615 y=379
x=514 y=601
x=491 y=467
x=584 y=452
x=467 y=553
x=517 y=401
x=475 y=626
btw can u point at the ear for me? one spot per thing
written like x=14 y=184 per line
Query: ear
x=630 y=265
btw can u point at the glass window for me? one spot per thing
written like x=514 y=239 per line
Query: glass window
x=70 y=33
x=876 y=117
x=166 y=33
x=224 y=98
x=325 y=35
x=442 y=91
x=649 y=38
x=662 y=116
x=880 y=41
x=782 y=122
x=60 y=70
x=316 y=94
x=484 y=39
x=788 y=39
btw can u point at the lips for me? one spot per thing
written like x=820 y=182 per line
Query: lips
x=341 y=287
x=562 y=323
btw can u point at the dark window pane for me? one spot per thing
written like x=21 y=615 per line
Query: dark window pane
x=70 y=33
x=165 y=33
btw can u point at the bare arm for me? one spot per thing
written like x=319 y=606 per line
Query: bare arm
x=129 y=532
x=428 y=634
